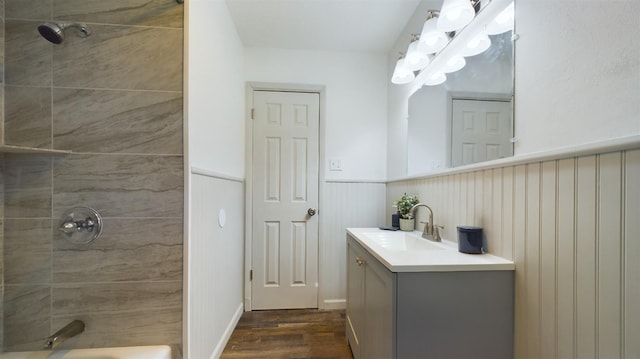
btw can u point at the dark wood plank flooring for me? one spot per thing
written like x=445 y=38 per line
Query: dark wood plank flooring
x=299 y=333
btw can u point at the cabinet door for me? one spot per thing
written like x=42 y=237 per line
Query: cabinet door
x=379 y=294
x=355 y=297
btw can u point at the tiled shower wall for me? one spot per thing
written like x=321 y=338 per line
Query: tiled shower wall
x=115 y=100
x=571 y=227
x=1 y=176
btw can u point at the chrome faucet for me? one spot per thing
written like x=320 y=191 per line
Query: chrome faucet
x=431 y=231
x=70 y=330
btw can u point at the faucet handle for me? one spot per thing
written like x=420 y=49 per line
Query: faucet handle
x=436 y=232
x=425 y=230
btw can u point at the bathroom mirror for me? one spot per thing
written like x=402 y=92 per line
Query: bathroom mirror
x=468 y=118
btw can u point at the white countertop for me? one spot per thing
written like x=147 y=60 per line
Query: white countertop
x=408 y=252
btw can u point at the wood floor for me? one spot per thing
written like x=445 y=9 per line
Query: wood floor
x=300 y=333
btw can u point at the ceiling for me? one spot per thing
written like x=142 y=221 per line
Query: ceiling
x=332 y=25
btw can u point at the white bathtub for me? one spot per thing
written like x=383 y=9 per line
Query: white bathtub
x=144 y=352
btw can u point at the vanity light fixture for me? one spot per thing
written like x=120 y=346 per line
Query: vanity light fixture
x=455 y=14
x=402 y=75
x=433 y=39
x=448 y=56
x=503 y=22
x=477 y=45
x=435 y=78
x=453 y=64
x=416 y=58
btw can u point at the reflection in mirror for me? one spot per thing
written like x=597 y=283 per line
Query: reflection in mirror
x=468 y=118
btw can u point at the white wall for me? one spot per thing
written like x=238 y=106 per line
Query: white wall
x=216 y=89
x=398 y=98
x=356 y=102
x=577 y=72
x=215 y=169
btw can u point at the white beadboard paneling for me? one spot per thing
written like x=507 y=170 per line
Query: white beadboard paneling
x=532 y=259
x=346 y=205
x=507 y=213
x=487 y=213
x=566 y=270
x=571 y=226
x=497 y=238
x=586 y=258
x=548 y=310
x=470 y=198
x=632 y=253
x=216 y=261
x=519 y=253
x=609 y=256
x=479 y=211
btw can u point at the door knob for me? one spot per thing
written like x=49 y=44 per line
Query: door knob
x=311 y=212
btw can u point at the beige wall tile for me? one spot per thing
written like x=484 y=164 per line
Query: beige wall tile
x=27 y=246
x=118 y=121
x=147 y=59
x=166 y=13
x=126 y=327
x=75 y=299
x=28 y=9
x=26 y=317
x=127 y=284
x=27 y=190
x=128 y=250
x=119 y=185
x=27 y=54
x=28 y=116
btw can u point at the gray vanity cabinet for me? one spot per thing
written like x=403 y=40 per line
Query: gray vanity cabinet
x=370 y=304
x=431 y=314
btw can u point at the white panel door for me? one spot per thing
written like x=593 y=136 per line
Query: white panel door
x=480 y=131
x=285 y=195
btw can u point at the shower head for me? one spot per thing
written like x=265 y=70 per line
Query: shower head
x=54 y=32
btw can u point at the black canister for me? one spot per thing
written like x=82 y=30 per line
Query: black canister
x=395 y=220
x=470 y=239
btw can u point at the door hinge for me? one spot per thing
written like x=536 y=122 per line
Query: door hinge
x=250 y=274
x=252 y=113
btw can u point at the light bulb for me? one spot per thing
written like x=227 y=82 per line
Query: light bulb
x=416 y=58
x=503 y=22
x=454 y=64
x=435 y=78
x=433 y=39
x=455 y=14
x=401 y=75
x=479 y=44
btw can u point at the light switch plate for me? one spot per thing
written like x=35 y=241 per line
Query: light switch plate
x=335 y=165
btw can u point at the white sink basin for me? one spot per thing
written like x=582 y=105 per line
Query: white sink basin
x=401 y=241
x=409 y=252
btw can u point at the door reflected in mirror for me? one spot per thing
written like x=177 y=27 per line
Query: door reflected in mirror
x=468 y=118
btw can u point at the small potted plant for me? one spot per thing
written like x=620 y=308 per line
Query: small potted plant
x=404 y=204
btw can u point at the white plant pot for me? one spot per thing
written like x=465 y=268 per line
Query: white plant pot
x=407 y=224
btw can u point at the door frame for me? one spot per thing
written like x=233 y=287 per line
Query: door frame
x=278 y=87
x=474 y=96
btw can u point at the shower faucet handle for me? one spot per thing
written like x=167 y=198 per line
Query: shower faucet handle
x=77 y=226
x=81 y=225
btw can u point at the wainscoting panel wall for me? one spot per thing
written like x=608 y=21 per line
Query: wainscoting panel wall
x=572 y=228
x=344 y=205
x=215 y=264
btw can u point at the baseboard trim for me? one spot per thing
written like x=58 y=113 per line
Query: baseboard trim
x=217 y=352
x=334 y=304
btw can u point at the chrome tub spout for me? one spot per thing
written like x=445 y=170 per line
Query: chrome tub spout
x=70 y=330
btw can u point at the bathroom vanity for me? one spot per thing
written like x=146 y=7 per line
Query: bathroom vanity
x=408 y=297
